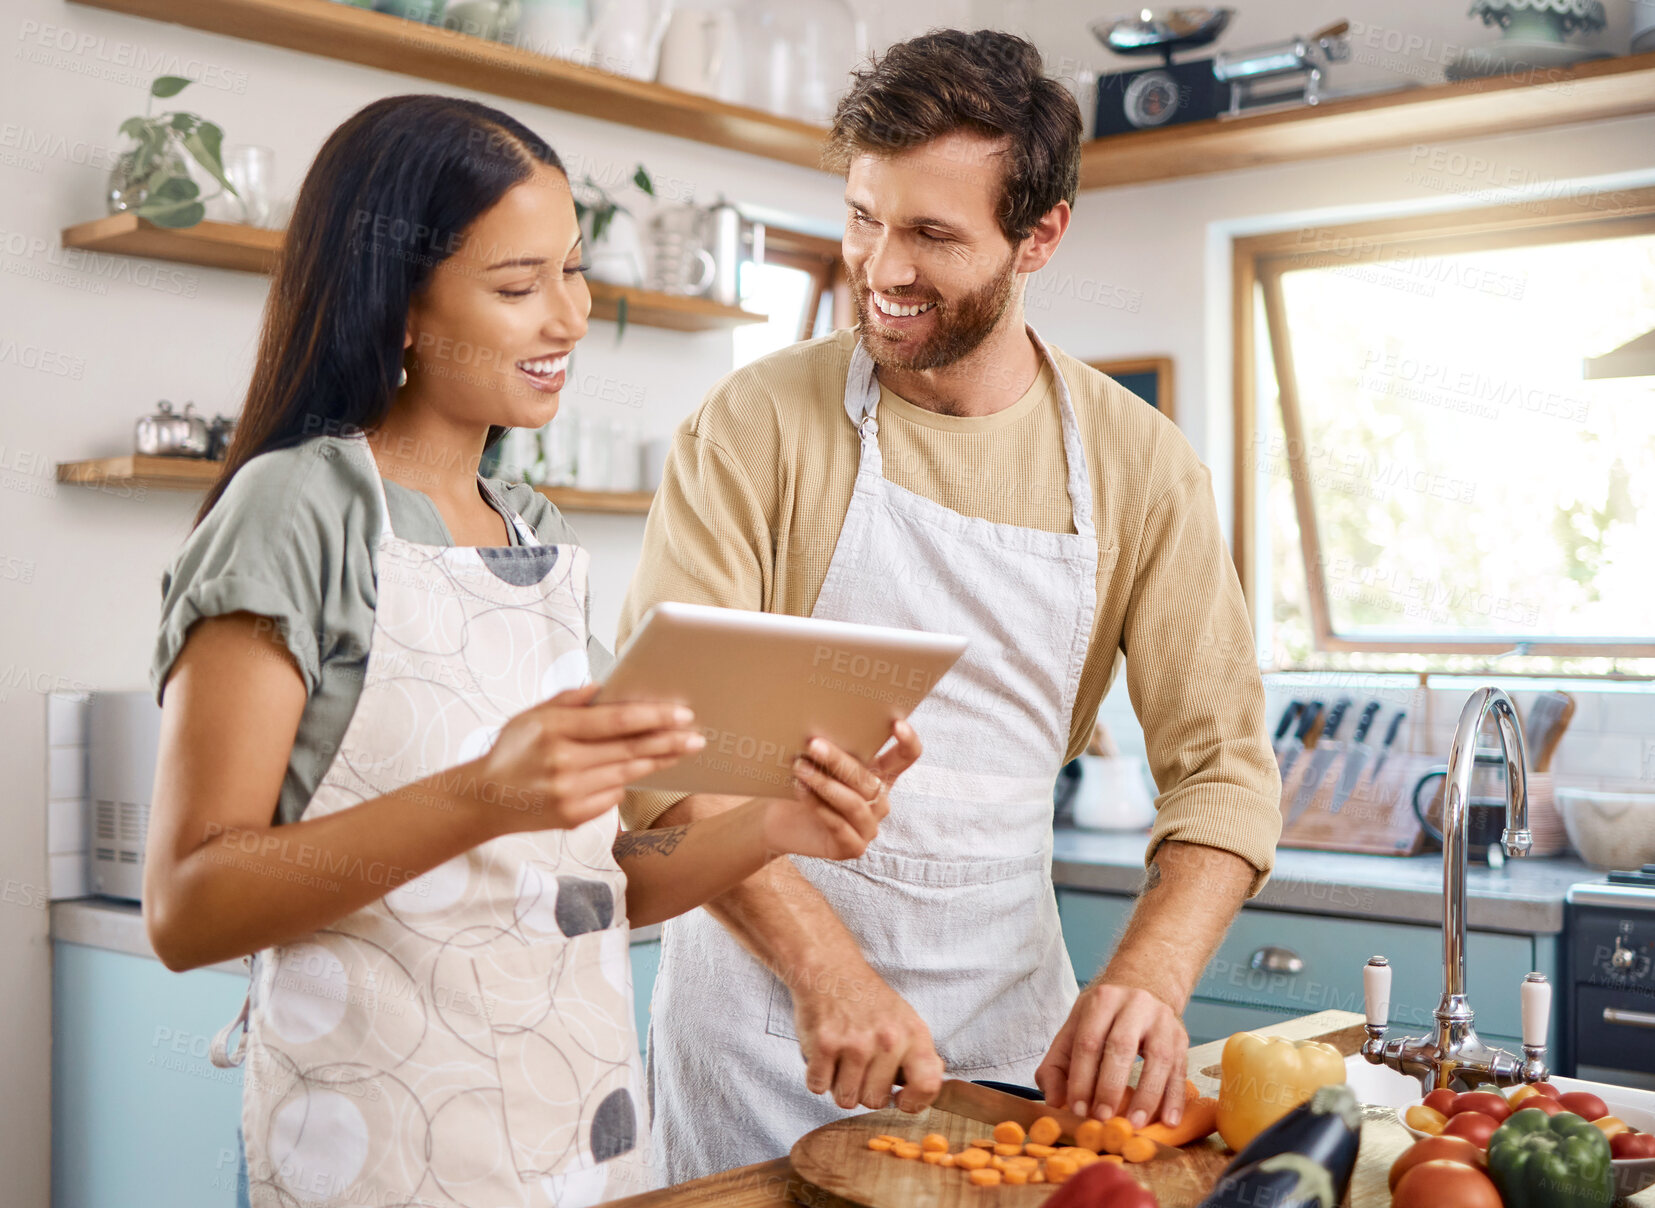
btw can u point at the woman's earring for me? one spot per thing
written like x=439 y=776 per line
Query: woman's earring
x=402 y=378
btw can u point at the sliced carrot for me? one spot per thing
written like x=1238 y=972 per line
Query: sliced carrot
x=1138 y=1149
x=985 y=1178
x=1038 y=1176
x=1036 y=1150
x=1024 y=1162
x=944 y=1159
x=1112 y=1157
x=1045 y=1131
x=1016 y=1176
x=1059 y=1168
x=1089 y=1135
x=1117 y=1131
x=933 y=1143
x=1009 y=1132
x=880 y=1143
x=972 y=1159
x=906 y=1149
x=1005 y=1149
x=1200 y=1118
x=982 y=1142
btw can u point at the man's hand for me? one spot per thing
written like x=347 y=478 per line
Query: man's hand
x=1087 y=1066
x=855 y=1034
x=1191 y=893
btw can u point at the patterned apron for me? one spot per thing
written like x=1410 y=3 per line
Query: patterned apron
x=467 y=1039
x=952 y=905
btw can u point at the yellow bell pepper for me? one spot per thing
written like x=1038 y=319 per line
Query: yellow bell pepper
x=1265 y=1077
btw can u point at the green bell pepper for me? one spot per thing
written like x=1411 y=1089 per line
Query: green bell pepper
x=1540 y=1161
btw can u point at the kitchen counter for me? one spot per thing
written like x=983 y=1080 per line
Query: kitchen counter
x=1524 y=897
x=119 y=927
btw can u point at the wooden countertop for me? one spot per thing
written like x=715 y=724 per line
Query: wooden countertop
x=767 y=1184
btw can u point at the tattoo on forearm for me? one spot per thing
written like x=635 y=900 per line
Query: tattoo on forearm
x=646 y=842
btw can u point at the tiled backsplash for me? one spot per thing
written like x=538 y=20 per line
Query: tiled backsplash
x=66 y=845
x=1610 y=743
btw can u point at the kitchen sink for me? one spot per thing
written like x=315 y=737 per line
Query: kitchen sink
x=1380 y=1084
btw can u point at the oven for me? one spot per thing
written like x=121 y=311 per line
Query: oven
x=1609 y=971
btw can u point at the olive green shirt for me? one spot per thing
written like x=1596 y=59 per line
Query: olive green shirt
x=294 y=538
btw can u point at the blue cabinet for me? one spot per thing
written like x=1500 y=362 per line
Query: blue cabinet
x=1325 y=955
x=140 y=1116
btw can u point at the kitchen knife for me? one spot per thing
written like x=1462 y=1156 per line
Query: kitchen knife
x=1307 y=719
x=1285 y=724
x=1385 y=747
x=1326 y=749
x=1352 y=771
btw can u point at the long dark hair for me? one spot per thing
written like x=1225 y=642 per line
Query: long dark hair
x=386 y=201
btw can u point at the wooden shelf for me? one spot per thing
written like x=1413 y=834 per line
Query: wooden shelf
x=254 y=250
x=1606 y=88
x=194 y=474
x=356 y=35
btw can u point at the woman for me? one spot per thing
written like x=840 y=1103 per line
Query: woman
x=392 y=656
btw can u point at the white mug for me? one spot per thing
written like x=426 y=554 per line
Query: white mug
x=1113 y=794
x=694 y=52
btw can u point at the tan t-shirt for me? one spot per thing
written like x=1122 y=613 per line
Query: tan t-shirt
x=759 y=479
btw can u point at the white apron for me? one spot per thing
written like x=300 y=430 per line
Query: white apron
x=953 y=903
x=467 y=1039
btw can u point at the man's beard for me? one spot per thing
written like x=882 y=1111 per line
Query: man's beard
x=958 y=330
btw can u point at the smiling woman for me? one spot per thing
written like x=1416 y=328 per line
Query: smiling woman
x=380 y=769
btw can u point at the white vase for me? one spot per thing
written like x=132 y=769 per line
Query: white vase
x=555 y=28
x=618 y=258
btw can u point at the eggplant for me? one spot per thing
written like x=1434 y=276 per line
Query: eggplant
x=1303 y=1160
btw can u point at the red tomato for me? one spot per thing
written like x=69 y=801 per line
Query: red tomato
x=1632 y=1145
x=1548 y=1090
x=1473 y=1126
x=1434 y=1149
x=1541 y=1103
x=1486 y=1102
x=1101 y=1183
x=1584 y=1105
x=1441 y=1100
x=1443 y=1184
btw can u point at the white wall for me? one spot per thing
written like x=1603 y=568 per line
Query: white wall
x=85 y=346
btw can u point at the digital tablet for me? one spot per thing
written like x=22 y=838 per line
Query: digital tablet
x=763 y=684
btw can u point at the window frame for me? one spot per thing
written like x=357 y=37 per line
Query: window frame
x=818 y=256
x=1259 y=261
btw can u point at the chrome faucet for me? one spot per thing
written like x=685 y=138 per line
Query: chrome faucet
x=1452 y=1055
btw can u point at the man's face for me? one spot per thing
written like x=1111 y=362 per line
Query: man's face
x=920 y=231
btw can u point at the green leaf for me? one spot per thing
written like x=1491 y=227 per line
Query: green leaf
x=173 y=190
x=185 y=215
x=185 y=122
x=620 y=318
x=642 y=180
x=166 y=86
x=203 y=143
x=600 y=222
x=135 y=127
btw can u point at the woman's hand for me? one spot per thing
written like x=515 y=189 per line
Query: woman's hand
x=838 y=801
x=567 y=761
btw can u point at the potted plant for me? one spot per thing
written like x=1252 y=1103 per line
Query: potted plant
x=614 y=245
x=153 y=178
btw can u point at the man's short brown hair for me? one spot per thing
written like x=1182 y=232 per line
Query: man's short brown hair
x=989 y=82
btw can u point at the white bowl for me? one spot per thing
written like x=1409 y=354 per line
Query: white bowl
x=1609 y=829
x=1636 y=1107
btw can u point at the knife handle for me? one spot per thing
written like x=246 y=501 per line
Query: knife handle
x=1365 y=722
x=1396 y=724
x=1335 y=715
x=1307 y=720
x=1287 y=717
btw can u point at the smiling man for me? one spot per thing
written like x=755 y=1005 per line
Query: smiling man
x=940 y=467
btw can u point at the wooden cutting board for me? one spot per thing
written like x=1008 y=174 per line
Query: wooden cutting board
x=837 y=1159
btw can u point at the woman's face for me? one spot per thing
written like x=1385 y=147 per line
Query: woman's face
x=489 y=336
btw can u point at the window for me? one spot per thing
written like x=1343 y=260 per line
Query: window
x=1429 y=475
x=800 y=286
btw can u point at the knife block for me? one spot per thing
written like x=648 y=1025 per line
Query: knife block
x=1378 y=816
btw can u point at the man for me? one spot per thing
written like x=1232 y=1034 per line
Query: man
x=938 y=468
